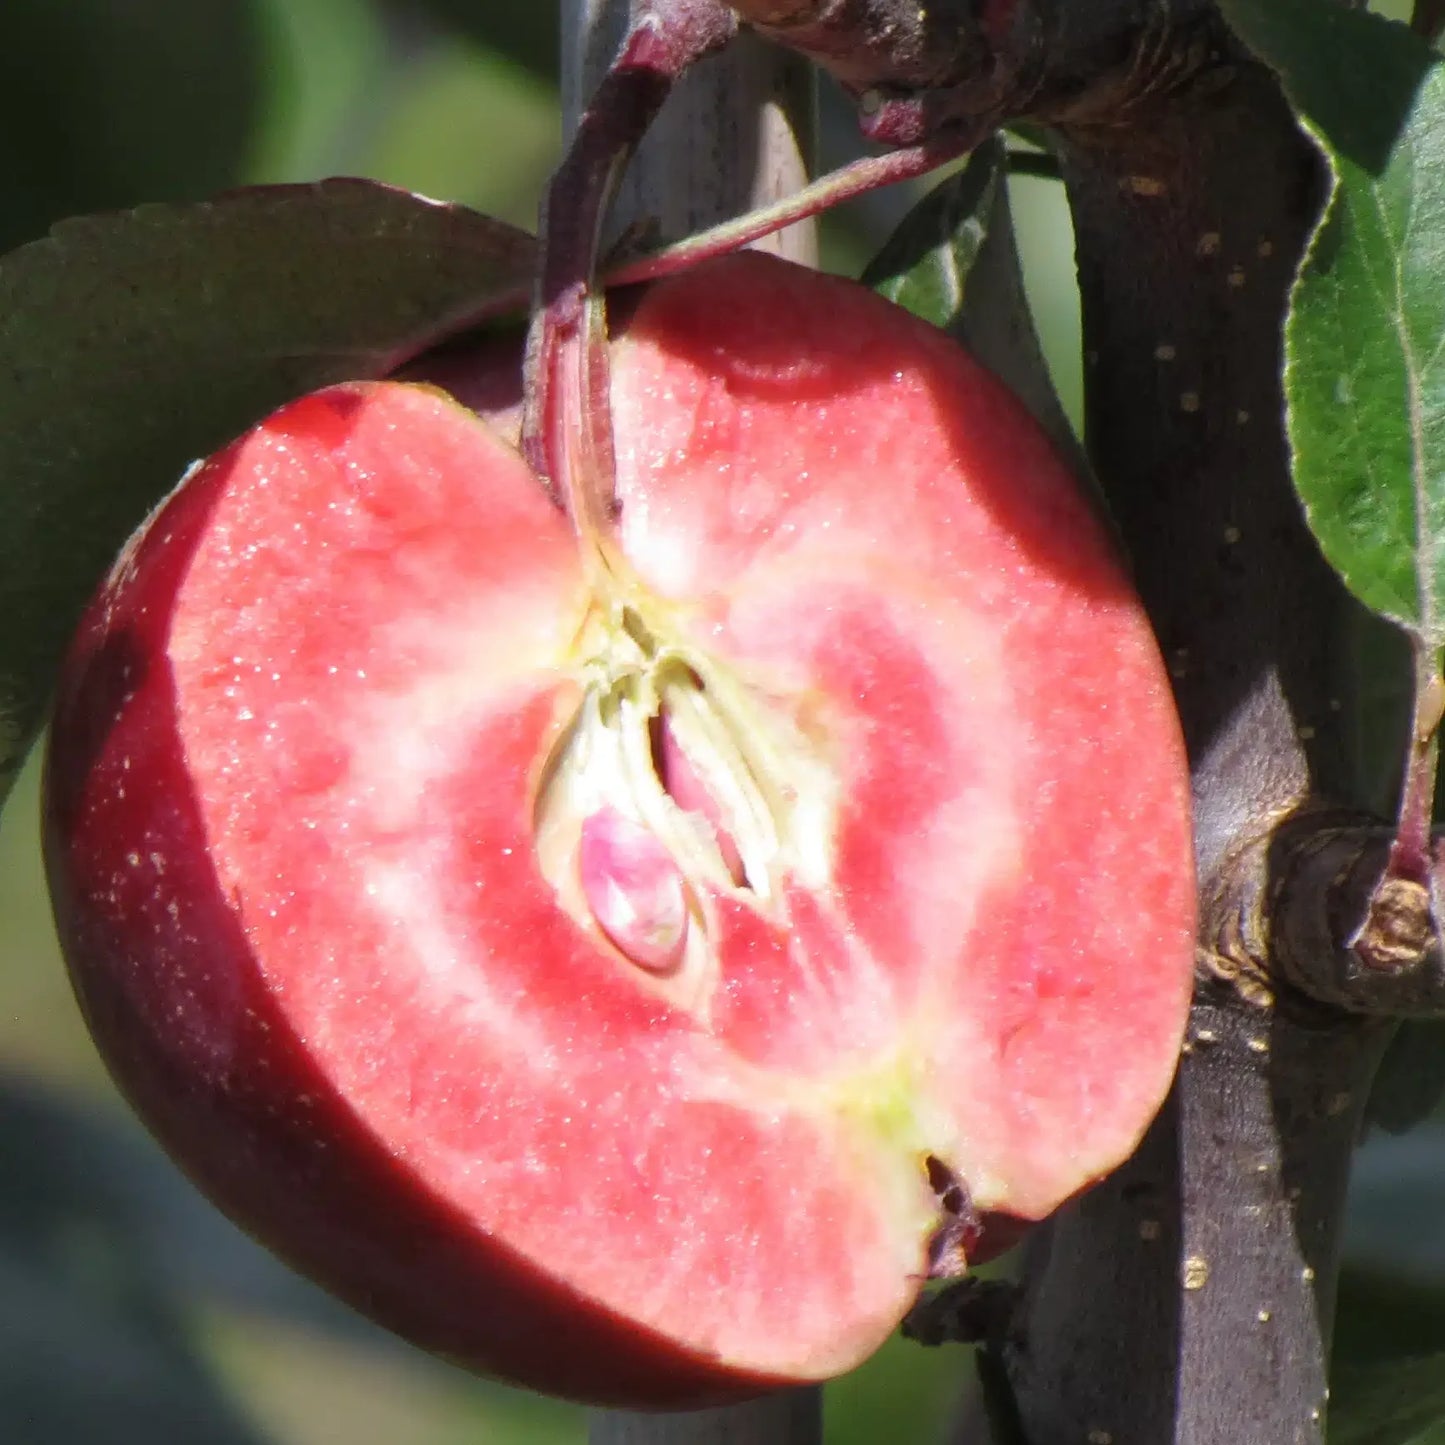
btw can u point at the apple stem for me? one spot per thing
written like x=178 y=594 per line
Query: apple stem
x=566 y=422
x=848 y=182
x=1411 y=855
x=566 y=366
x=844 y=184
x=1427 y=19
x=967 y=1311
x=1400 y=923
x=575 y=427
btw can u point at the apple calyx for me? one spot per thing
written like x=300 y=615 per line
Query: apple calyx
x=672 y=784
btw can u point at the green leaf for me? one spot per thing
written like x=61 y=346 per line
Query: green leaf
x=328 y=65
x=531 y=35
x=1410 y=1081
x=133 y=1313
x=452 y=90
x=953 y=261
x=1392 y=1291
x=1387 y=1371
x=94 y=1341
x=1365 y=383
x=1387 y=1404
x=903 y=1392
x=105 y=105
x=924 y=264
x=131 y=345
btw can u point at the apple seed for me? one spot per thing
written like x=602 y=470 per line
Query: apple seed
x=634 y=890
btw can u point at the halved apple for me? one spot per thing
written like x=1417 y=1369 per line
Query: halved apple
x=626 y=983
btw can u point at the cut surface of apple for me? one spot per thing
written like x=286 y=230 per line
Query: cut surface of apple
x=594 y=980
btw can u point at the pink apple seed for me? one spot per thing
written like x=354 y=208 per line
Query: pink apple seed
x=687 y=789
x=634 y=889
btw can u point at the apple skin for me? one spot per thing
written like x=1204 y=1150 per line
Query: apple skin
x=304 y=815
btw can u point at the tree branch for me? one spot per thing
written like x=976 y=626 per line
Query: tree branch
x=1291 y=910
x=1189 y=1297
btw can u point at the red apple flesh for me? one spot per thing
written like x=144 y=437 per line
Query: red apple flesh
x=586 y=978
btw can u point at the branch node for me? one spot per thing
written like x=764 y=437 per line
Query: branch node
x=1312 y=913
x=1399 y=929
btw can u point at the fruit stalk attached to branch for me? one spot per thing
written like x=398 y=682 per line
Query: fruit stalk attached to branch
x=664 y=40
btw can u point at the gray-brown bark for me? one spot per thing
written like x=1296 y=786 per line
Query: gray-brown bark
x=1191 y=1297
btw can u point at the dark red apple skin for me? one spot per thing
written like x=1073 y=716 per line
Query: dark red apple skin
x=297 y=1166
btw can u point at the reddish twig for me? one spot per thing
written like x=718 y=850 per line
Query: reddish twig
x=1428 y=19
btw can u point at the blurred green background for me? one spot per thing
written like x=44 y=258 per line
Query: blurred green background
x=129 y=1310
